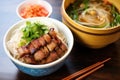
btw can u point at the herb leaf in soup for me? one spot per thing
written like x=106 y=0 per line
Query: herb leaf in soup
x=31 y=31
x=116 y=16
x=74 y=9
x=85 y=2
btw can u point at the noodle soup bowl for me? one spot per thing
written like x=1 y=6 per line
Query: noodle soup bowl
x=41 y=69
x=87 y=36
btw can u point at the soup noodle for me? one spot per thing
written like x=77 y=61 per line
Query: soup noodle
x=94 y=13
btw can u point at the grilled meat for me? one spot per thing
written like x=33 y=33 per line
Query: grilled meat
x=45 y=49
x=39 y=55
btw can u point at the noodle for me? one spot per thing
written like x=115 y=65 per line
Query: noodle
x=94 y=13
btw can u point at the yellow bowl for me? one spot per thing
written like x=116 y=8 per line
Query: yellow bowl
x=90 y=37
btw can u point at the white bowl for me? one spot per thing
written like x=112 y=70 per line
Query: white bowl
x=42 y=3
x=45 y=69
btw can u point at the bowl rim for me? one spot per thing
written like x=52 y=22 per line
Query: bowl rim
x=44 y=65
x=36 y=2
x=82 y=27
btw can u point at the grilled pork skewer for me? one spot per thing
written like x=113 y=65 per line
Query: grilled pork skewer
x=45 y=49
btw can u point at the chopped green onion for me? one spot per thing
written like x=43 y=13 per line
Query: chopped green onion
x=32 y=31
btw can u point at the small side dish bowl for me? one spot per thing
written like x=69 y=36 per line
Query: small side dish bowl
x=90 y=37
x=40 y=69
x=34 y=8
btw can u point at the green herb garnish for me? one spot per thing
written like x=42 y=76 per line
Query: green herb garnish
x=32 y=31
x=116 y=17
x=74 y=9
x=86 y=2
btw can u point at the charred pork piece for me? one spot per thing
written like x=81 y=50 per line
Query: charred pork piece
x=29 y=59
x=23 y=51
x=63 y=47
x=39 y=55
x=59 y=52
x=52 y=33
x=32 y=48
x=51 y=46
x=47 y=38
x=41 y=41
x=43 y=61
x=58 y=41
x=45 y=51
x=52 y=57
x=36 y=43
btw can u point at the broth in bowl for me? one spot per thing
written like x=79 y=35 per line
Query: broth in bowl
x=86 y=20
x=94 y=13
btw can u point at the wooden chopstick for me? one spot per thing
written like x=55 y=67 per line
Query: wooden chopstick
x=88 y=73
x=78 y=73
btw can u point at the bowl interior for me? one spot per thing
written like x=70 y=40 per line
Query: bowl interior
x=48 y=21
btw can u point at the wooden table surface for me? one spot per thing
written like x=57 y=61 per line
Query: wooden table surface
x=79 y=58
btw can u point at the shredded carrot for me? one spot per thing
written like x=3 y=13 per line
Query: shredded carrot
x=33 y=10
